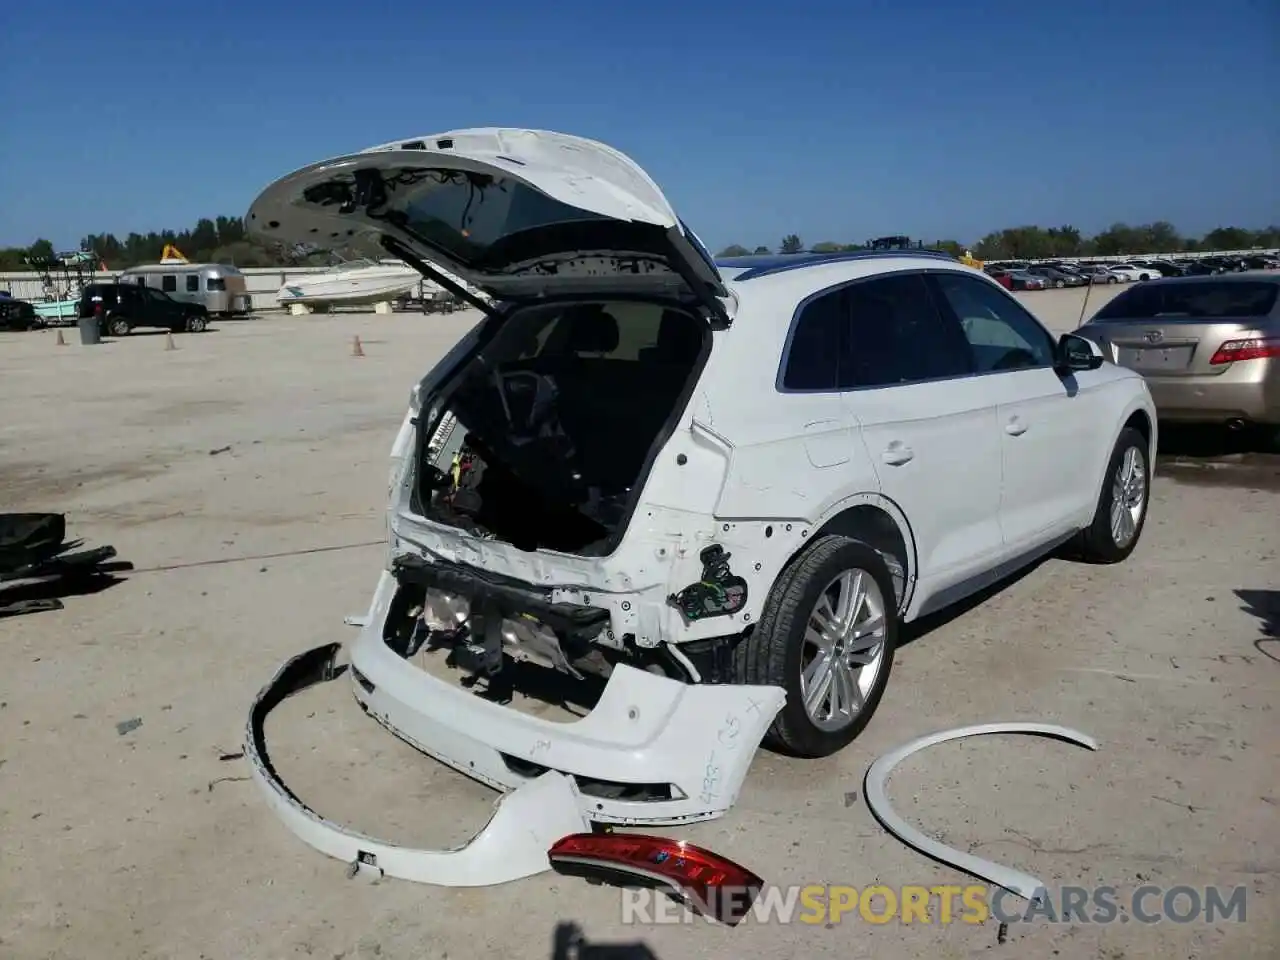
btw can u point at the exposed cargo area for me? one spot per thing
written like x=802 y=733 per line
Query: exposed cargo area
x=547 y=433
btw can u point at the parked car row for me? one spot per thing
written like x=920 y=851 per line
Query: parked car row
x=1027 y=275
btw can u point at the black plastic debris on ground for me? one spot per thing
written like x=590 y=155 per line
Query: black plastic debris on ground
x=39 y=566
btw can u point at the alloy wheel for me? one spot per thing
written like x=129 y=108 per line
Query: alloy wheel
x=843 y=650
x=1128 y=497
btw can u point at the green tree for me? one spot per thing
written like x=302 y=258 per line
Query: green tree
x=791 y=243
x=761 y=250
x=1162 y=237
x=827 y=246
x=1228 y=238
x=1117 y=239
x=734 y=250
x=42 y=249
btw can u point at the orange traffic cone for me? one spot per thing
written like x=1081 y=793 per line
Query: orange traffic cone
x=356 y=349
x=62 y=341
x=168 y=342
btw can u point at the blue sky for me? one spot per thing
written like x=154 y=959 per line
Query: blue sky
x=833 y=120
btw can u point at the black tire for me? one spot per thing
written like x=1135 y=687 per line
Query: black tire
x=1059 y=284
x=773 y=653
x=1111 y=279
x=118 y=326
x=196 y=323
x=1096 y=543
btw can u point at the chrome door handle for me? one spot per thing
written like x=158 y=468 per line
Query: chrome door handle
x=897 y=453
x=1015 y=427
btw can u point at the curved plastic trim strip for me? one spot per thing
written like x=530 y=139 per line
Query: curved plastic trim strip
x=1015 y=881
x=512 y=845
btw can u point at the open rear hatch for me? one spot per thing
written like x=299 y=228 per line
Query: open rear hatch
x=516 y=213
x=543 y=434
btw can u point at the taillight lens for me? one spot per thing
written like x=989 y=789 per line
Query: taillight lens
x=710 y=884
x=1256 y=348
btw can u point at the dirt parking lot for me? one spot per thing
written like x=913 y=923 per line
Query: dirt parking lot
x=244 y=475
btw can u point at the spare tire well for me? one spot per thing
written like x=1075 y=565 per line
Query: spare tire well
x=878 y=530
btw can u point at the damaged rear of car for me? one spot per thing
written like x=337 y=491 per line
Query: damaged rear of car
x=535 y=509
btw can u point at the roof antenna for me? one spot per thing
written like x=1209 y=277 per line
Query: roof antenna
x=1084 y=304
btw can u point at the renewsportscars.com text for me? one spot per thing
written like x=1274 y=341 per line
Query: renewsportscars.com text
x=973 y=904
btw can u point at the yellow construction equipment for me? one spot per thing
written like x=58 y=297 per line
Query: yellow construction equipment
x=969 y=260
x=172 y=254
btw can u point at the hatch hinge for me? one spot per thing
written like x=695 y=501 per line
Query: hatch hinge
x=398 y=249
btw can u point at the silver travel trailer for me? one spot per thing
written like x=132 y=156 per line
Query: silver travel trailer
x=220 y=289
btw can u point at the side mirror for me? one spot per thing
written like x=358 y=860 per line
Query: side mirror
x=1077 y=353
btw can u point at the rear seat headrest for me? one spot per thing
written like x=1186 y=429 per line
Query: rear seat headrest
x=592 y=330
x=678 y=336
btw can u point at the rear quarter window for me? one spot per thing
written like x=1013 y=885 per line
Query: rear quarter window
x=1209 y=299
x=813 y=356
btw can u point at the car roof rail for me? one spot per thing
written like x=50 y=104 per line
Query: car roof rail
x=765 y=265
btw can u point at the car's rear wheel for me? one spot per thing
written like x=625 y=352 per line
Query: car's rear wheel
x=119 y=326
x=1122 y=503
x=827 y=636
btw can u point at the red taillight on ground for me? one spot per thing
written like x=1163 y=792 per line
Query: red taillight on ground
x=1257 y=348
x=707 y=882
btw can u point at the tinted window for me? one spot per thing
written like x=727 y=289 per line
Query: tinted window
x=461 y=215
x=140 y=281
x=168 y=283
x=215 y=284
x=1203 y=298
x=814 y=351
x=193 y=283
x=1000 y=333
x=896 y=335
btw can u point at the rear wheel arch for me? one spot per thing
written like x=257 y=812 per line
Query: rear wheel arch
x=879 y=524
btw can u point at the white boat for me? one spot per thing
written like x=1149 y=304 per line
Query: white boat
x=351 y=282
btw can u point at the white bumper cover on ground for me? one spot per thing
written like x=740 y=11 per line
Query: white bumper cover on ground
x=512 y=845
x=646 y=729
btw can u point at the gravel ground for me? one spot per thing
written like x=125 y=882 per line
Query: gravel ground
x=244 y=475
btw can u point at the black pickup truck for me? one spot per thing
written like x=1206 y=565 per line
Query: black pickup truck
x=120 y=307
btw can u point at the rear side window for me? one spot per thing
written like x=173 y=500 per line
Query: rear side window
x=1206 y=298
x=215 y=284
x=193 y=283
x=896 y=335
x=168 y=283
x=813 y=355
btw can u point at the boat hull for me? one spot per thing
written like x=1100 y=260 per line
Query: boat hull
x=369 y=285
